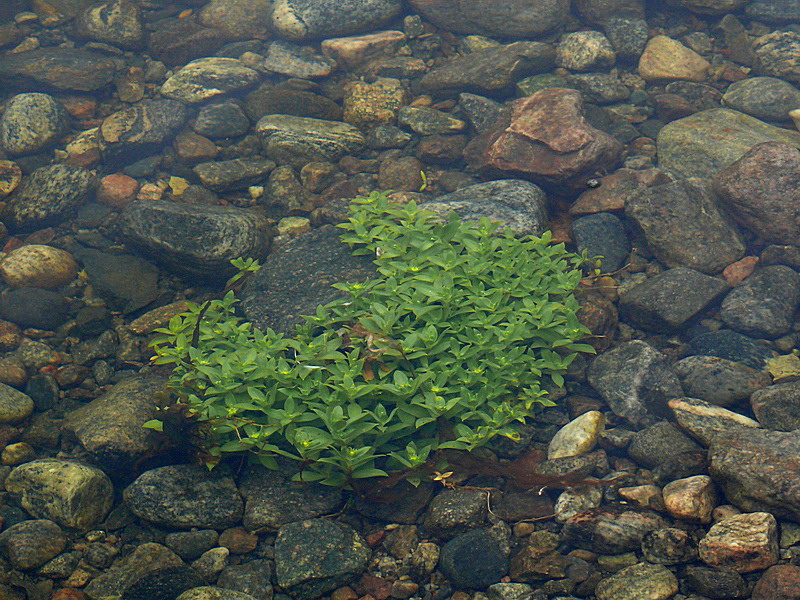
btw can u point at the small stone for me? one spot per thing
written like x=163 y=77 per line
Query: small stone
x=16 y=454
x=642 y=580
x=14 y=405
x=744 y=543
x=667 y=59
x=780 y=582
x=691 y=499
x=585 y=51
x=577 y=437
x=738 y=271
x=238 y=540
x=39 y=266
x=669 y=546
x=117 y=190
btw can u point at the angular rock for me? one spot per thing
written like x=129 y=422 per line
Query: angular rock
x=777 y=55
x=719 y=381
x=669 y=546
x=195 y=240
x=705 y=421
x=14 y=405
x=127 y=135
x=667 y=59
x=612 y=529
x=779 y=582
x=57 y=69
x=295 y=60
x=177 y=41
x=691 y=499
x=585 y=51
x=208 y=77
x=221 y=120
x=744 y=543
x=733 y=346
x=126 y=282
x=667 y=301
x=776 y=407
x=602 y=234
x=615 y=189
x=667 y=452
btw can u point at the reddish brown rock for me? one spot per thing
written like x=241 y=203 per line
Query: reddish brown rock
x=615 y=188
x=238 y=540
x=545 y=138
x=736 y=272
x=117 y=190
x=761 y=191
x=600 y=315
x=781 y=582
x=744 y=543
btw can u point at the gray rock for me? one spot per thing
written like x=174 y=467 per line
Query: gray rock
x=235 y=174
x=764 y=304
x=208 y=77
x=635 y=380
x=667 y=301
x=628 y=36
x=309 y=19
x=612 y=529
x=473 y=560
x=481 y=112
x=164 y=582
x=317 y=556
x=602 y=234
x=272 y=500
x=14 y=405
x=238 y=19
x=65 y=491
x=144 y=128
x=126 y=571
x=252 y=578
x=295 y=60
x=269 y=100
x=773 y=11
x=490 y=72
x=518 y=205
x=776 y=407
x=766 y=98
x=669 y=546
x=185 y=496
x=668 y=452
x=584 y=51
x=600 y=88
x=221 y=120
x=116 y=22
x=705 y=421
x=109 y=428
x=195 y=240
x=30 y=544
x=32 y=122
x=731 y=346
x=177 y=41
x=34 y=307
x=778 y=55
x=190 y=545
x=642 y=580
x=716 y=583
x=710 y=140
x=297 y=277
x=47 y=197
x=719 y=381
x=57 y=69
x=428 y=121
x=301 y=140
x=126 y=282
x=456 y=511
x=684 y=226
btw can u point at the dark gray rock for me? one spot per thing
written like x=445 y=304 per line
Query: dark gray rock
x=166 y=583
x=221 y=120
x=719 y=381
x=32 y=122
x=519 y=205
x=490 y=72
x=602 y=234
x=778 y=54
x=195 y=240
x=252 y=578
x=146 y=558
x=773 y=11
x=297 y=278
x=719 y=584
x=777 y=407
x=235 y=174
x=628 y=36
x=271 y=100
x=126 y=282
x=310 y=19
x=766 y=98
x=109 y=428
x=48 y=196
x=34 y=307
x=764 y=304
x=185 y=496
x=669 y=546
x=481 y=112
x=684 y=226
x=189 y=545
x=473 y=560
x=208 y=592
x=635 y=380
x=273 y=500
x=317 y=556
x=144 y=128
x=731 y=345
x=177 y=41
x=57 y=69
x=600 y=88
x=668 y=452
x=456 y=511
x=30 y=544
x=667 y=301
x=295 y=60
x=759 y=470
x=613 y=529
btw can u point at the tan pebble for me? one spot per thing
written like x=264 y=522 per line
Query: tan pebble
x=16 y=454
x=10 y=176
x=40 y=266
x=117 y=190
x=665 y=59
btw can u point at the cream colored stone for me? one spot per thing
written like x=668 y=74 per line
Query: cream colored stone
x=354 y=51
x=578 y=436
x=691 y=499
x=39 y=266
x=665 y=59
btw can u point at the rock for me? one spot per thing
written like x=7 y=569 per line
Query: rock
x=731 y=345
x=126 y=571
x=48 y=196
x=295 y=60
x=208 y=77
x=185 y=496
x=211 y=563
x=30 y=544
x=711 y=7
x=667 y=301
x=777 y=55
x=317 y=556
x=189 y=545
x=267 y=100
x=297 y=277
x=313 y=19
x=116 y=22
x=126 y=282
x=14 y=405
x=10 y=177
x=57 y=69
x=428 y=121
x=585 y=51
x=667 y=59
x=571 y=502
x=602 y=234
x=577 y=437
x=166 y=582
x=36 y=265
x=253 y=578
x=744 y=543
x=765 y=98
x=710 y=140
x=667 y=452
x=456 y=511
x=779 y=582
x=177 y=41
x=221 y=120
x=691 y=499
x=31 y=123
x=34 y=307
x=195 y=240
x=213 y=593
x=669 y=546
x=769 y=482
x=481 y=112
x=238 y=19
x=600 y=88
x=615 y=189
x=117 y=190
x=353 y=52
x=705 y=421
x=491 y=72
x=538 y=560
x=612 y=529
x=109 y=428
x=598 y=12
x=273 y=500
x=235 y=174
x=131 y=133
x=642 y=580
x=473 y=560
x=73 y=495
x=763 y=306
x=628 y=36
x=720 y=584
x=684 y=226
x=545 y=138
x=719 y=381
x=776 y=406
x=635 y=380
x=773 y=11
x=761 y=191
x=300 y=140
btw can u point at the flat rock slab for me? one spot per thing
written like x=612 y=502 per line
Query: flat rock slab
x=235 y=174
x=719 y=381
x=206 y=78
x=57 y=69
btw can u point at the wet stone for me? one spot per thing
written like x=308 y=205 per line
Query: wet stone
x=719 y=381
x=236 y=174
x=167 y=582
x=691 y=499
x=10 y=177
x=125 y=572
x=612 y=529
x=705 y=421
x=189 y=545
x=473 y=560
x=34 y=307
x=779 y=582
x=731 y=345
x=213 y=593
x=221 y=120
x=252 y=578
x=456 y=511
x=773 y=11
x=238 y=19
x=778 y=53
x=116 y=22
x=141 y=129
x=744 y=543
x=37 y=265
x=185 y=496
x=14 y=405
x=600 y=88
x=208 y=77
x=667 y=451
x=763 y=306
x=642 y=580
x=48 y=196
x=481 y=112
x=602 y=234
x=30 y=544
x=313 y=19
x=578 y=436
x=776 y=406
x=177 y=41
x=126 y=282
x=766 y=98
x=32 y=122
x=667 y=59
x=317 y=556
x=719 y=584
x=668 y=546
x=295 y=61
x=377 y=103
x=57 y=69
x=628 y=36
x=267 y=100
x=585 y=51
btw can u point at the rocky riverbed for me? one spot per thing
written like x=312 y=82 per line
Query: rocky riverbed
x=146 y=143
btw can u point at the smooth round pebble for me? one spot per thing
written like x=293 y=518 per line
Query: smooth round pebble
x=39 y=266
x=578 y=436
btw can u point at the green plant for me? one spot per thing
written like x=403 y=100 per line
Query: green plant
x=450 y=346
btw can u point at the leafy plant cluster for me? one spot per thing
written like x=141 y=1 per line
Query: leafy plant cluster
x=449 y=347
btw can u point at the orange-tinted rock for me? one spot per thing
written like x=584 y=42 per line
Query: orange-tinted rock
x=614 y=189
x=117 y=190
x=736 y=272
x=781 y=582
